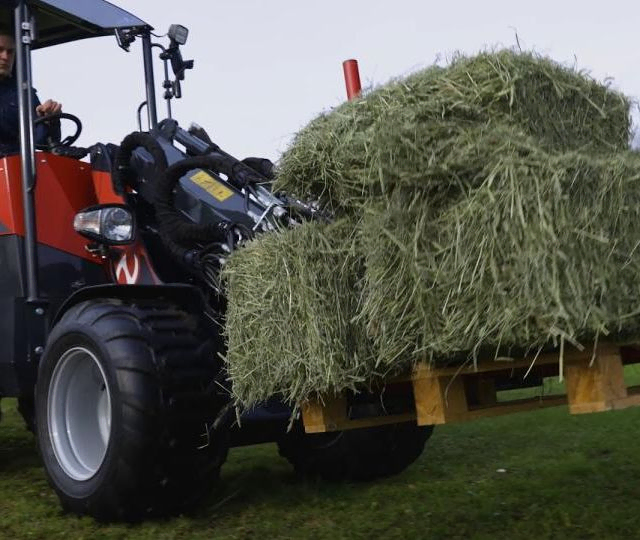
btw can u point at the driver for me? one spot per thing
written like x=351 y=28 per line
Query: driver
x=9 y=118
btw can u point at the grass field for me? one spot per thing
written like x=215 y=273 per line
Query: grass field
x=539 y=475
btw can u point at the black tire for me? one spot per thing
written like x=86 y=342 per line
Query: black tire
x=154 y=371
x=358 y=454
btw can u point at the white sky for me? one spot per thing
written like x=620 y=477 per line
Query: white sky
x=263 y=69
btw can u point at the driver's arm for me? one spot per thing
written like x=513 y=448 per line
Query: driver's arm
x=10 y=118
x=52 y=130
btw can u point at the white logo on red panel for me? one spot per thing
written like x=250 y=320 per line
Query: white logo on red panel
x=124 y=274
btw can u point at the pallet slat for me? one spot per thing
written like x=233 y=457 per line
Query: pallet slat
x=594 y=381
x=596 y=386
x=439 y=399
x=333 y=416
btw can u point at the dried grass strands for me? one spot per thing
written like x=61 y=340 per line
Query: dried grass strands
x=487 y=205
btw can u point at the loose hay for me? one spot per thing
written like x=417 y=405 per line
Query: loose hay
x=546 y=247
x=291 y=299
x=395 y=133
x=489 y=204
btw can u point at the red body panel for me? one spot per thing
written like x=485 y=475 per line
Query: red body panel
x=103 y=187
x=64 y=186
x=130 y=265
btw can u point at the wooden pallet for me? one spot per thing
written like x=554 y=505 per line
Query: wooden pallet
x=594 y=382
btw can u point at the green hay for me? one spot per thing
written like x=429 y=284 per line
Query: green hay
x=291 y=297
x=487 y=205
x=400 y=131
x=545 y=248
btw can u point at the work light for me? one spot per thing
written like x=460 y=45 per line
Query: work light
x=178 y=33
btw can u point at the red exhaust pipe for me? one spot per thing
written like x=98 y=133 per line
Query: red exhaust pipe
x=352 y=78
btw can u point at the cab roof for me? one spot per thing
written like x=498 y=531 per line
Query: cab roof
x=61 y=21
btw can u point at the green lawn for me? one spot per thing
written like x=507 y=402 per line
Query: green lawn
x=534 y=475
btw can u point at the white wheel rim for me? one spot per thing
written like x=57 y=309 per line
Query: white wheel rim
x=79 y=413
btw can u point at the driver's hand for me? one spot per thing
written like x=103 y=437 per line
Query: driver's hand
x=48 y=107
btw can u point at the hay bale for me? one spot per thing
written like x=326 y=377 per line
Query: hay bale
x=545 y=248
x=397 y=133
x=489 y=204
x=291 y=296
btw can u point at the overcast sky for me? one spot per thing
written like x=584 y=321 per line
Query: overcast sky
x=263 y=69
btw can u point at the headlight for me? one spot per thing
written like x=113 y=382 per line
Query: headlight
x=108 y=224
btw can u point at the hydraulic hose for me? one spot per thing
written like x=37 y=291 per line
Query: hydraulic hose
x=124 y=175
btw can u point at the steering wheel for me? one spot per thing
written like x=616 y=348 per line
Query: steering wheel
x=67 y=141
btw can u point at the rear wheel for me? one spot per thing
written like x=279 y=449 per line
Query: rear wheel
x=123 y=405
x=357 y=454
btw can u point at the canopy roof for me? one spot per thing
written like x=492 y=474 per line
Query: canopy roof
x=60 y=21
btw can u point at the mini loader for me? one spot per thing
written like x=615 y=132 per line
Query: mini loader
x=111 y=302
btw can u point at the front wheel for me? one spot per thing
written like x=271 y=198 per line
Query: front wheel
x=123 y=405
x=356 y=454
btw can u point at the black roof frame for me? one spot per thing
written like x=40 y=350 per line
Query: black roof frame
x=62 y=21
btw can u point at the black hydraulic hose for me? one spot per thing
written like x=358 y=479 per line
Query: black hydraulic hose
x=240 y=173
x=124 y=175
x=263 y=166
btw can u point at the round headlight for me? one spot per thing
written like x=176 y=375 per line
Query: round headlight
x=117 y=224
x=109 y=224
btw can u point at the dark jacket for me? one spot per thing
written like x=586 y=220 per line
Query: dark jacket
x=9 y=119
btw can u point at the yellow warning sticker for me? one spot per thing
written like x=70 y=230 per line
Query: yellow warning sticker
x=212 y=186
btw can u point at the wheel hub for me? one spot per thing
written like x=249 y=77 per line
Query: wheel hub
x=79 y=413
